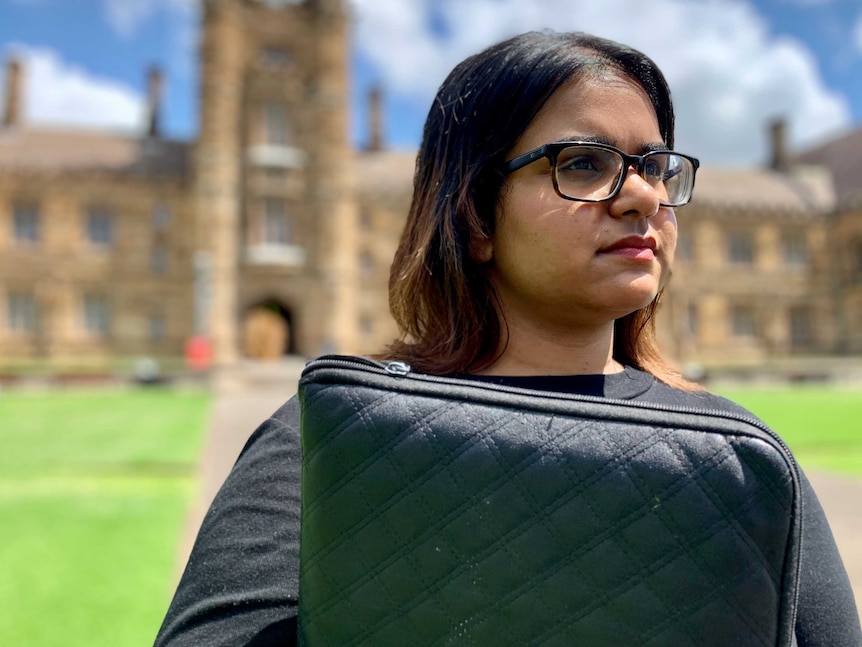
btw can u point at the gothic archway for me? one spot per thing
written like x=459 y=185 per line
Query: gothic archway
x=267 y=330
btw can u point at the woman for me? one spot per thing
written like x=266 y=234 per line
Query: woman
x=540 y=237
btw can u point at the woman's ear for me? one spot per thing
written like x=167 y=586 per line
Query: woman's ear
x=481 y=248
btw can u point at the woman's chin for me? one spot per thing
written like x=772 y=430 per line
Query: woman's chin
x=630 y=300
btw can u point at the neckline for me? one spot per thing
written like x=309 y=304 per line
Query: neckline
x=625 y=385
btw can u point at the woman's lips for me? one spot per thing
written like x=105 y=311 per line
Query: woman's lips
x=633 y=247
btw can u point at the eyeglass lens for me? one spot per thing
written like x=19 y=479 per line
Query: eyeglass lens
x=592 y=173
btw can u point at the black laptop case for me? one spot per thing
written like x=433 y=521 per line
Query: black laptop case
x=441 y=511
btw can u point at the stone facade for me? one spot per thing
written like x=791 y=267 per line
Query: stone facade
x=270 y=234
x=249 y=237
x=846 y=239
x=92 y=262
x=274 y=186
x=843 y=157
x=752 y=273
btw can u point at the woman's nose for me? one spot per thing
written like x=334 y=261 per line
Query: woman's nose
x=637 y=197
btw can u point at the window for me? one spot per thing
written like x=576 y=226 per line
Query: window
x=366 y=265
x=743 y=321
x=26 y=223
x=275 y=120
x=161 y=217
x=159 y=258
x=740 y=248
x=100 y=227
x=157 y=328
x=692 y=321
x=800 y=326
x=23 y=315
x=97 y=314
x=795 y=249
x=278 y=228
x=856 y=260
x=274 y=57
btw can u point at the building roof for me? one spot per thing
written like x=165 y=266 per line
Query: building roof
x=842 y=156
x=83 y=150
x=385 y=173
x=802 y=190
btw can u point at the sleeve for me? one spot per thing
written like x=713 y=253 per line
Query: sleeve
x=826 y=613
x=240 y=585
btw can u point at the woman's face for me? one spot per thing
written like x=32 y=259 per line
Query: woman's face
x=558 y=263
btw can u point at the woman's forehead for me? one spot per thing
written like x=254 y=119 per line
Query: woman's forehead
x=611 y=108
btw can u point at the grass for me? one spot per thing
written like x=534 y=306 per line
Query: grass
x=822 y=425
x=94 y=488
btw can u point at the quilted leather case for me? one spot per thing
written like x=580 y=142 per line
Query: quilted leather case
x=447 y=512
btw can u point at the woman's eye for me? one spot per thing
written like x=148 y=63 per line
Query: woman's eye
x=582 y=163
x=655 y=169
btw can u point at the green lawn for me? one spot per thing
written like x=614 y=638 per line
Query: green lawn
x=94 y=487
x=822 y=425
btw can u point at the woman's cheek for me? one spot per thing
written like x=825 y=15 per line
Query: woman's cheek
x=670 y=227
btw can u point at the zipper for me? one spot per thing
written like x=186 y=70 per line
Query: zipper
x=401 y=369
x=398 y=368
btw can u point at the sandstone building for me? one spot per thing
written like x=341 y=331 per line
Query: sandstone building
x=271 y=234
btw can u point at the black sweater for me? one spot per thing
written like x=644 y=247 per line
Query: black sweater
x=240 y=585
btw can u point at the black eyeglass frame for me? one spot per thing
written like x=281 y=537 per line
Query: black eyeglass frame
x=551 y=152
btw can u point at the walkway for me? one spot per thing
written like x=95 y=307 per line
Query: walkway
x=249 y=395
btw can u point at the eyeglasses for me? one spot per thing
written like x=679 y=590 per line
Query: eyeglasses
x=593 y=172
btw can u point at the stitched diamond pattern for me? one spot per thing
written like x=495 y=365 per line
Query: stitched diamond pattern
x=436 y=522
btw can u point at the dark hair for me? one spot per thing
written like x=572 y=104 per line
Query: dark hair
x=439 y=295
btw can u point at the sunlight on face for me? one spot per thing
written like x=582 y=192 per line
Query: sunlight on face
x=559 y=265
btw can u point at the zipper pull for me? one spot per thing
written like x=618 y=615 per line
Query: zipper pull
x=398 y=368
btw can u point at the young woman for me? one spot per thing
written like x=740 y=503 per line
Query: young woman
x=541 y=235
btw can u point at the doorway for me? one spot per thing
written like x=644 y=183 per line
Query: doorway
x=266 y=331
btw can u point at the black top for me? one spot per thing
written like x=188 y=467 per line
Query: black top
x=240 y=584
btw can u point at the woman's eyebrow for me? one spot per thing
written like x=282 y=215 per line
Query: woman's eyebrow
x=654 y=146
x=647 y=147
x=589 y=139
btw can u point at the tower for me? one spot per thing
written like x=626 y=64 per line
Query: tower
x=273 y=188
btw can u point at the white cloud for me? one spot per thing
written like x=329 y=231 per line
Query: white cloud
x=728 y=75
x=807 y=3
x=126 y=17
x=60 y=93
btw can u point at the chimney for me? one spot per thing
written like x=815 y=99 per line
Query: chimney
x=14 y=94
x=375 y=119
x=154 y=100
x=778 y=131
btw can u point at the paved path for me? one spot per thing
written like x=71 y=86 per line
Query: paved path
x=246 y=399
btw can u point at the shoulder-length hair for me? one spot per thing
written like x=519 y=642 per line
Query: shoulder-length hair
x=441 y=299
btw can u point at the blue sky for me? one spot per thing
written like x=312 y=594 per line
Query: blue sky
x=732 y=64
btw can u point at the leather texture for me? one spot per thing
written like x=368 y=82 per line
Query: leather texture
x=447 y=512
